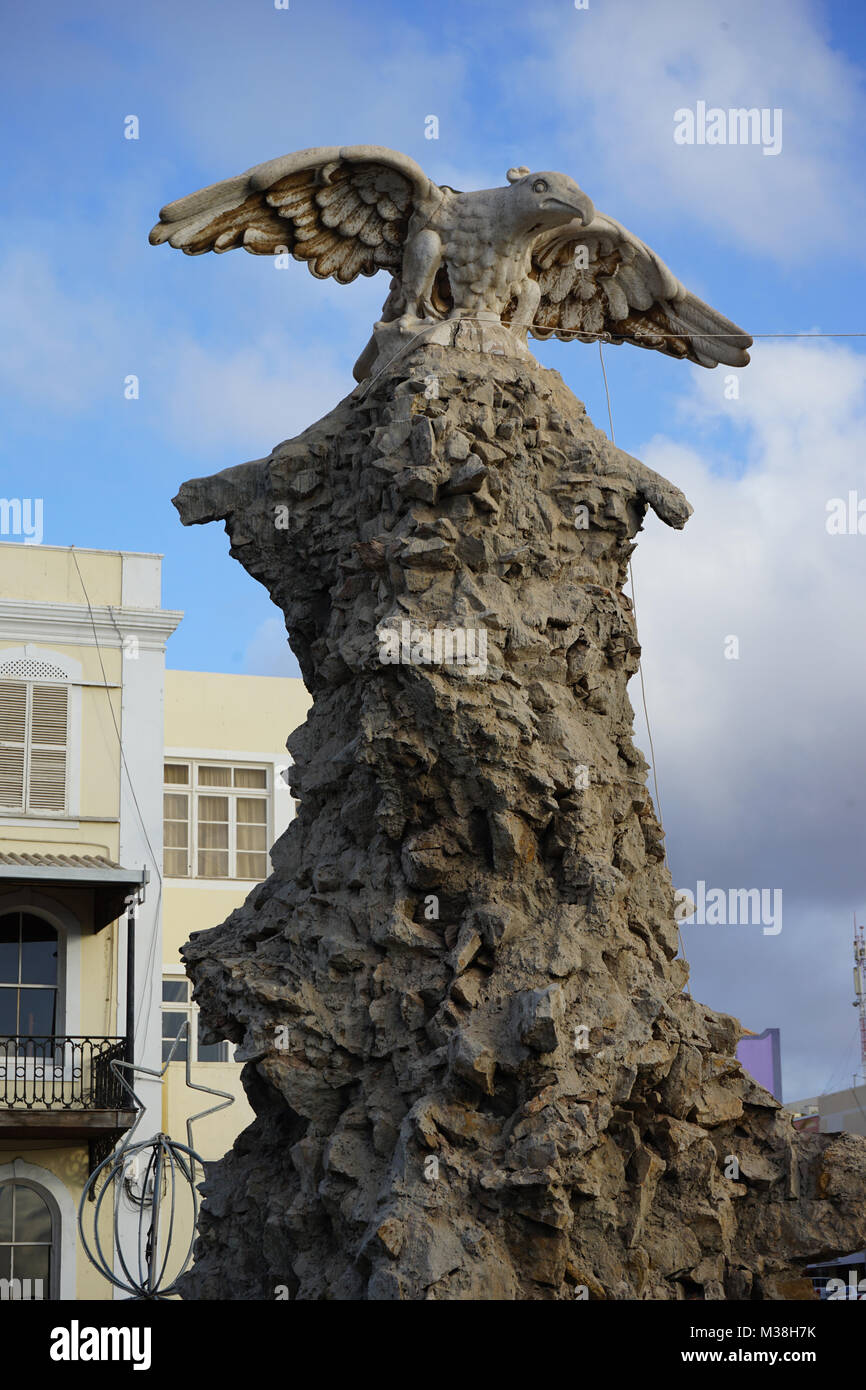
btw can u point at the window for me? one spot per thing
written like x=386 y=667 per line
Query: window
x=177 y=1009
x=216 y=821
x=34 y=720
x=27 y=1234
x=28 y=976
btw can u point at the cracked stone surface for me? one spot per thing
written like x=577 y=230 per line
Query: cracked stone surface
x=474 y=1069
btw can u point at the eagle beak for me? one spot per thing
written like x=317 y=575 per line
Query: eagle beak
x=585 y=209
x=580 y=206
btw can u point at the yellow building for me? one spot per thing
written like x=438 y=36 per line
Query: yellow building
x=226 y=801
x=102 y=752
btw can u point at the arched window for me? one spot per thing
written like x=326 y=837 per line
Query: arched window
x=29 y=1235
x=29 y=976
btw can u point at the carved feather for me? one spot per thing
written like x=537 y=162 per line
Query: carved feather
x=599 y=279
x=347 y=211
x=343 y=210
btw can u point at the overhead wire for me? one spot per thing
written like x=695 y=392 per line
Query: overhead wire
x=147 y=995
x=603 y=336
x=640 y=661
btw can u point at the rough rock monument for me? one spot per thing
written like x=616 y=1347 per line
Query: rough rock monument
x=458 y=996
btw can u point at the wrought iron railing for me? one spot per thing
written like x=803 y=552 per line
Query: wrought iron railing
x=60 y=1073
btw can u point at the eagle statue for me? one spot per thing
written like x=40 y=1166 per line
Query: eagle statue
x=479 y=270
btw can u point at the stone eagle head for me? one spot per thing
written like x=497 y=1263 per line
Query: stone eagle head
x=546 y=199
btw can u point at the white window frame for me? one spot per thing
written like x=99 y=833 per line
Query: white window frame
x=174 y=975
x=68 y=1018
x=19 y=1170
x=53 y=1243
x=191 y=790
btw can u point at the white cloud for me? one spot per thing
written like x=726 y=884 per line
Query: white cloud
x=756 y=562
x=69 y=353
x=268 y=652
x=254 y=93
x=59 y=351
x=618 y=73
x=761 y=759
x=249 y=399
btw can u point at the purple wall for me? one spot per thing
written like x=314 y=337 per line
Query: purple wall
x=762 y=1058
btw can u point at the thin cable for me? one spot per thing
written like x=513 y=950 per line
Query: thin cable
x=156 y=935
x=435 y=323
x=156 y=864
x=606 y=335
x=825 y=1090
x=640 y=662
x=634 y=607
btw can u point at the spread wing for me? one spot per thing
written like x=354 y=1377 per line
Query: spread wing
x=600 y=280
x=343 y=210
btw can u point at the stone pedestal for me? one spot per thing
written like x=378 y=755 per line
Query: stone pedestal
x=474 y=1070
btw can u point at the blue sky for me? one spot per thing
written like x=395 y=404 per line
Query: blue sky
x=760 y=760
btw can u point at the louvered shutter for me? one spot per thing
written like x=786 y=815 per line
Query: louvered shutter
x=48 y=724
x=13 y=740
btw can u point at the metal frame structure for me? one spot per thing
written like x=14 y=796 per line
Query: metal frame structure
x=167 y=1162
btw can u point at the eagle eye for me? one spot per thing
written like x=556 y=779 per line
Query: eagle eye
x=540 y=186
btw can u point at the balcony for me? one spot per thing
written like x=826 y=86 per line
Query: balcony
x=63 y=1088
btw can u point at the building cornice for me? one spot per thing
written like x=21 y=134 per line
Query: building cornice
x=29 y=620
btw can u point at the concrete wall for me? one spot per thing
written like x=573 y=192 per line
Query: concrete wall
x=47 y=573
